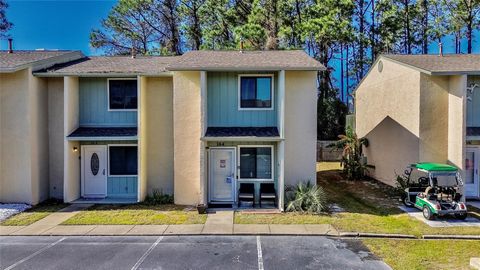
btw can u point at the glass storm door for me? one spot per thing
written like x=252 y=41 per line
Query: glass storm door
x=222 y=175
x=94 y=169
x=472 y=159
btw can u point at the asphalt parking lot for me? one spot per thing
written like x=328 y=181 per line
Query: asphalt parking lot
x=185 y=252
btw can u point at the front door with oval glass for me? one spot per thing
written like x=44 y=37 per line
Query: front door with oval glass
x=94 y=171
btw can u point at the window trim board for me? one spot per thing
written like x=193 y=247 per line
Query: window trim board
x=108 y=159
x=272 y=163
x=108 y=94
x=239 y=92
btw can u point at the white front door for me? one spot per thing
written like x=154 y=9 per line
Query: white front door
x=94 y=171
x=222 y=183
x=472 y=188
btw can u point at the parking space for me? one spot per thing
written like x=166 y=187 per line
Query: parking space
x=185 y=252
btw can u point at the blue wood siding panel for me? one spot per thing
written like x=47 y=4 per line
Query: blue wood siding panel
x=122 y=187
x=94 y=106
x=222 y=103
x=473 y=105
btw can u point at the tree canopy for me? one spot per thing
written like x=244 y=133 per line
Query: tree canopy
x=345 y=35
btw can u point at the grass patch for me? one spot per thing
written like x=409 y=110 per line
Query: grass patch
x=425 y=254
x=284 y=218
x=370 y=206
x=136 y=214
x=35 y=213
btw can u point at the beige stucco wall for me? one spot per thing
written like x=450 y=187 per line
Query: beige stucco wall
x=187 y=129
x=433 y=127
x=142 y=138
x=159 y=134
x=55 y=136
x=391 y=92
x=422 y=118
x=15 y=159
x=457 y=120
x=387 y=109
x=300 y=136
x=71 y=177
x=392 y=147
x=38 y=104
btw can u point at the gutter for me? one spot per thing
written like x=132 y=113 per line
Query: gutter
x=245 y=139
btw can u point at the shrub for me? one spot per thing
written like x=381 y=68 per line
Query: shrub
x=353 y=161
x=305 y=197
x=158 y=197
x=401 y=183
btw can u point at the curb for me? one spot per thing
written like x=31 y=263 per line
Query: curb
x=458 y=237
x=377 y=235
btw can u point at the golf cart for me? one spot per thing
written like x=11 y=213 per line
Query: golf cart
x=435 y=189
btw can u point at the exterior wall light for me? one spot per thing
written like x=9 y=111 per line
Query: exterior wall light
x=75 y=149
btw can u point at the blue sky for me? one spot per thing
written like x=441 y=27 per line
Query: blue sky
x=55 y=24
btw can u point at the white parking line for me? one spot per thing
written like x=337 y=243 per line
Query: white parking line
x=34 y=254
x=259 y=252
x=144 y=256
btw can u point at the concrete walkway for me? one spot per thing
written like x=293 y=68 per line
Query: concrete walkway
x=46 y=223
x=189 y=229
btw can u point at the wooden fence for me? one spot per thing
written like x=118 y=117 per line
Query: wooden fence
x=325 y=153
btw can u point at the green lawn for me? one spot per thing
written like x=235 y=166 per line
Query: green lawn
x=34 y=214
x=425 y=254
x=369 y=207
x=136 y=214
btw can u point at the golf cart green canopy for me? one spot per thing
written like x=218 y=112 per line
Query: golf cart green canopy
x=434 y=167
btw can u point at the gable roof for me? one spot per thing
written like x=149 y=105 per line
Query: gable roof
x=38 y=59
x=112 y=65
x=246 y=60
x=448 y=64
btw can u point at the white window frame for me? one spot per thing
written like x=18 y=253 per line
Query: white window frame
x=108 y=159
x=108 y=94
x=272 y=90
x=272 y=161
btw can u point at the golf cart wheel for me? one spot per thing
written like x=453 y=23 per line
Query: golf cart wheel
x=427 y=213
x=462 y=216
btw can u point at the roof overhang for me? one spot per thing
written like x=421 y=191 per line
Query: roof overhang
x=428 y=72
x=242 y=139
x=101 y=74
x=45 y=63
x=245 y=69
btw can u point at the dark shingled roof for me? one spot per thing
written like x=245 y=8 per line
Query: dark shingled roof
x=446 y=64
x=473 y=131
x=98 y=65
x=246 y=60
x=104 y=132
x=242 y=132
x=10 y=62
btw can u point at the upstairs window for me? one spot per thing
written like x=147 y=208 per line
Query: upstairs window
x=123 y=160
x=122 y=94
x=256 y=163
x=256 y=92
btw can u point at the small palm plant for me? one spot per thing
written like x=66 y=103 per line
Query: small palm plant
x=306 y=197
x=352 y=161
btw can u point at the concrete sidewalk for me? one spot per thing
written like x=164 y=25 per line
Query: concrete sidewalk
x=218 y=223
x=190 y=229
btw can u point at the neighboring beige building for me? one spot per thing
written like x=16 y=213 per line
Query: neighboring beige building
x=421 y=108
x=201 y=126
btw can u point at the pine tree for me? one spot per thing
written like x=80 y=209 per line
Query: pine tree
x=5 y=25
x=465 y=18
